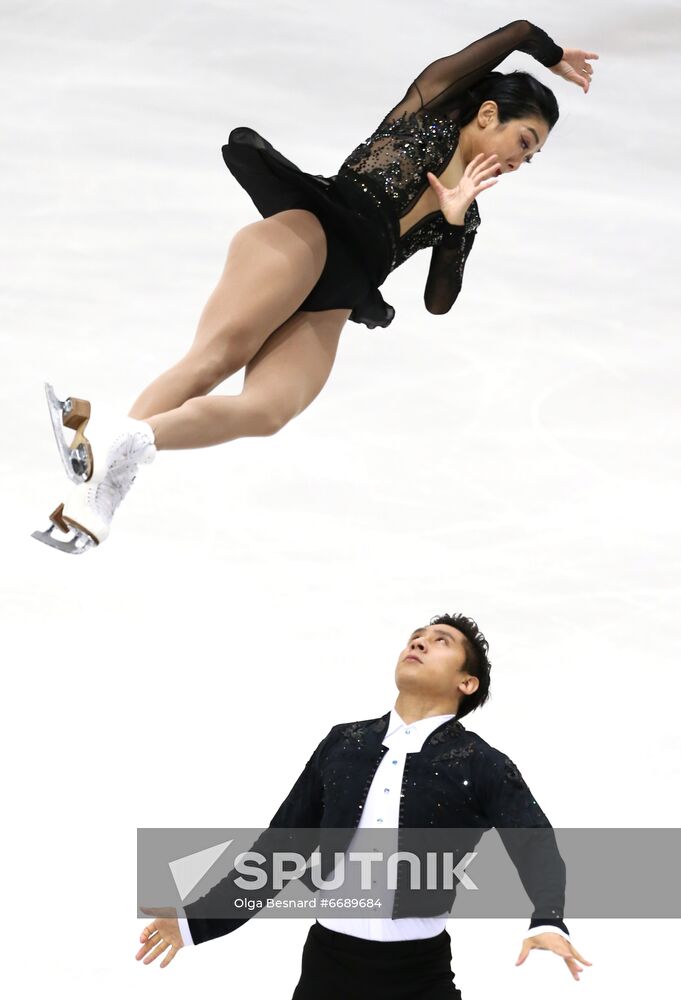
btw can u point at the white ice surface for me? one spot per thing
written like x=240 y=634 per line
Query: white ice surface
x=516 y=459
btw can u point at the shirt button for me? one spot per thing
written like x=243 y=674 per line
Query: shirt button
x=407 y=730
x=386 y=790
x=380 y=819
x=394 y=762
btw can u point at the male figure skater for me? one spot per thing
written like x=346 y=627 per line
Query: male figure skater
x=415 y=767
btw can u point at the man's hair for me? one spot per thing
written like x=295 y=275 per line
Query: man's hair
x=476 y=663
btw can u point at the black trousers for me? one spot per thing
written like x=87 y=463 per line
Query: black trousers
x=340 y=967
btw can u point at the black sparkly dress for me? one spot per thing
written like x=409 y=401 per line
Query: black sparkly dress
x=360 y=207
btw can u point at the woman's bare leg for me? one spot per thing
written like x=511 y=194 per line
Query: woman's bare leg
x=283 y=378
x=271 y=267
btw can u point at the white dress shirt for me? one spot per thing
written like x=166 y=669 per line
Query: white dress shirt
x=381 y=811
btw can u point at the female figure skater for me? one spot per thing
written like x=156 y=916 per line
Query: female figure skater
x=318 y=257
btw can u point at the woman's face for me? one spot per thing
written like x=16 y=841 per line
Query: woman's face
x=515 y=142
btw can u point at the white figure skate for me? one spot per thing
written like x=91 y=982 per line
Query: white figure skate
x=74 y=414
x=87 y=514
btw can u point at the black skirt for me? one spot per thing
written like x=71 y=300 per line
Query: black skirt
x=357 y=244
x=341 y=967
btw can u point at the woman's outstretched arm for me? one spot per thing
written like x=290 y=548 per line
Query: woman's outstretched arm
x=443 y=79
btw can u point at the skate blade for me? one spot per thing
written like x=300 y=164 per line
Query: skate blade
x=74 y=414
x=73 y=546
x=78 y=541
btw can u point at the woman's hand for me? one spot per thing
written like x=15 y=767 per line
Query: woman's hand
x=161 y=934
x=575 y=68
x=558 y=944
x=476 y=178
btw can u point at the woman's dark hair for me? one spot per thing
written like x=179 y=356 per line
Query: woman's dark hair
x=517 y=95
x=476 y=664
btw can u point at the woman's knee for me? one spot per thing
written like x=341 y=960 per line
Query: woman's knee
x=268 y=416
x=222 y=348
x=272 y=421
x=193 y=411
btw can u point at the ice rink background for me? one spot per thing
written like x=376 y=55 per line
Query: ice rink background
x=516 y=459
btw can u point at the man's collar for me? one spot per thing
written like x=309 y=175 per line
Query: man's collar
x=375 y=730
x=396 y=722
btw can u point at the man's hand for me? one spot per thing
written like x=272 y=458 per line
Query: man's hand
x=161 y=934
x=558 y=944
x=575 y=68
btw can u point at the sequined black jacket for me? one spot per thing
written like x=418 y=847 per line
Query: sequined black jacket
x=457 y=780
x=420 y=134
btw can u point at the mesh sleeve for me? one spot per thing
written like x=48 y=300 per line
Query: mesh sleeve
x=444 y=79
x=445 y=275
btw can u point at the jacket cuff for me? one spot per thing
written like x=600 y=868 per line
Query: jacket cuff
x=184 y=931
x=540 y=925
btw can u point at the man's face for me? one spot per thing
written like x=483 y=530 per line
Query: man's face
x=432 y=662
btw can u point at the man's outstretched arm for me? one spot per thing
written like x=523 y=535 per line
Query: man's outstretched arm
x=301 y=809
x=530 y=841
